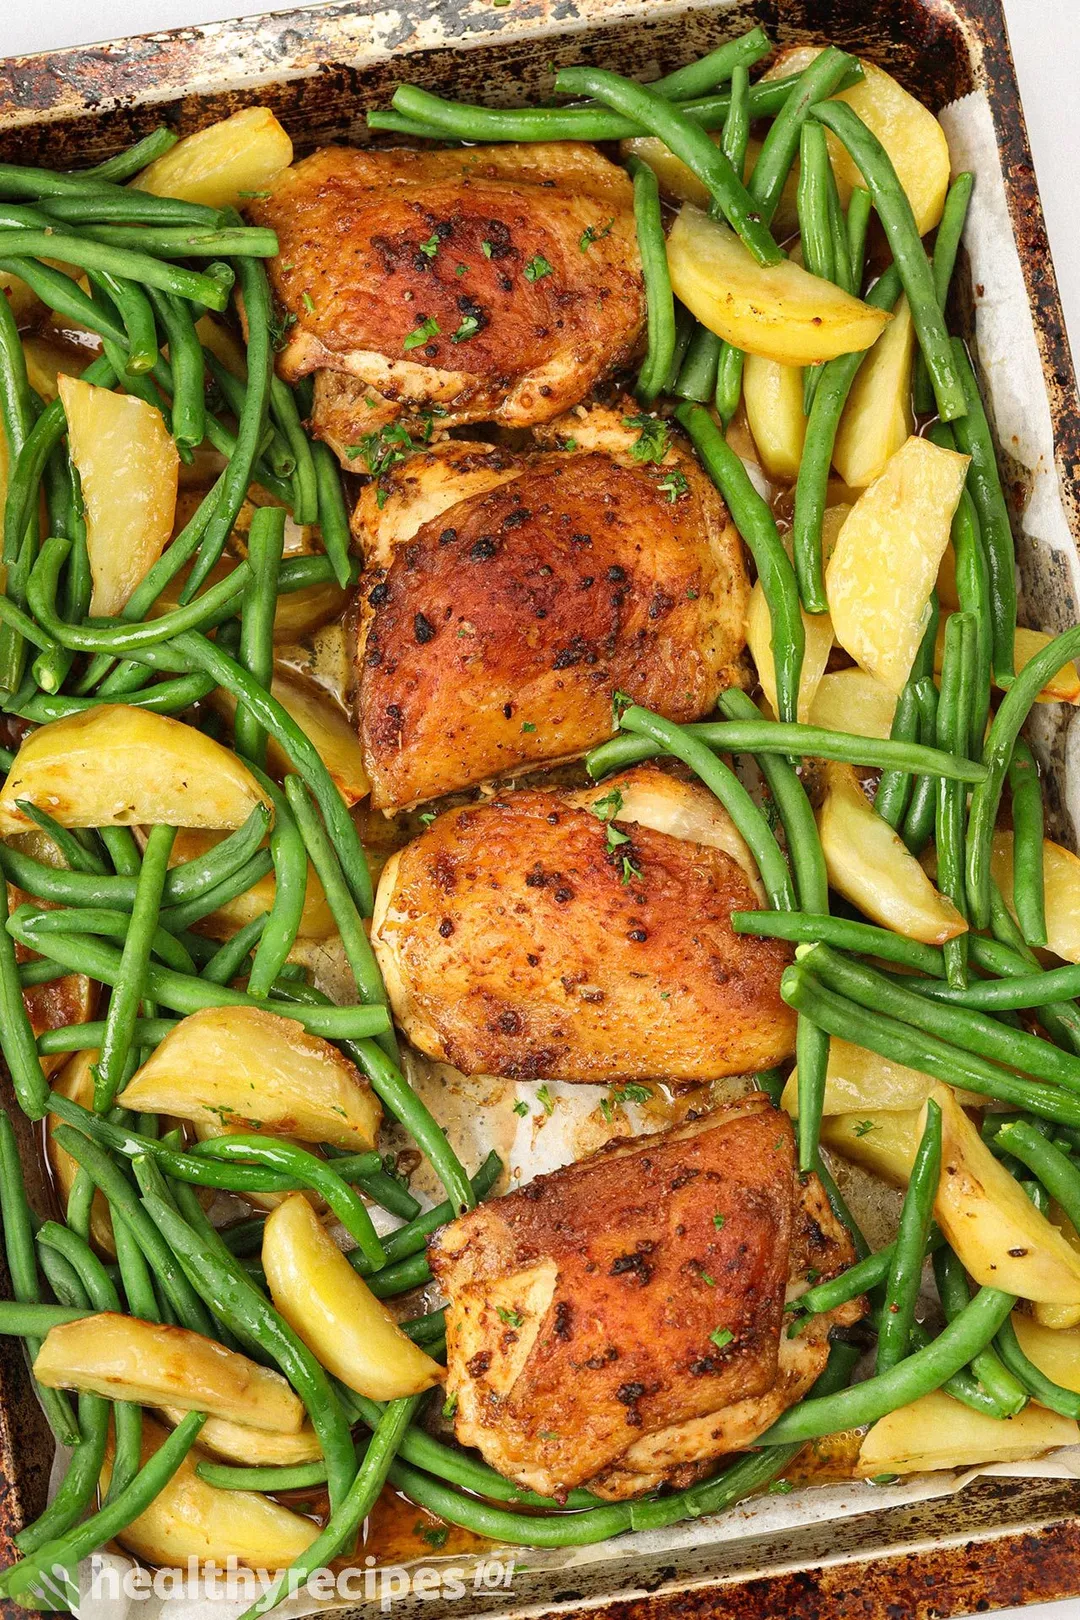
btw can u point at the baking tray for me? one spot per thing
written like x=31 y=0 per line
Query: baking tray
x=999 y=1542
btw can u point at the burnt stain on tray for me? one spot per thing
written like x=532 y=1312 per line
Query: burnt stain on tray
x=319 y=70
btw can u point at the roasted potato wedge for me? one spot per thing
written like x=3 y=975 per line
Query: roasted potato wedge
x=870 y=865
x=878 y=417
x=909 y=132
x=883 y=1143
x=886 y=559
x=127 y=1359
x=994 y=1227
x=1061 y=879
x=254 y=1448
x=128 y=466
x=324 y=723
x=115 y=766
x=243 y=1067
x=297 y=614
x=1059 y=1317
x=852 y=700
x=190 y=1519
x=819 y=642
x=858 y=1080
x=1055 y=1352
x=1064 y=687
x=316 y=921
x=334 y=1311
x=241 y=154
x=938 y=1431
x=47 y=358
x=76 y=1081
x=782 y=313
x=773 y=396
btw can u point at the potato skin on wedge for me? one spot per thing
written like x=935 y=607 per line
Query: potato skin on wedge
x=243 y=1067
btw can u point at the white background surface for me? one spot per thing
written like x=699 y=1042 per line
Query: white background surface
x=1045 y=38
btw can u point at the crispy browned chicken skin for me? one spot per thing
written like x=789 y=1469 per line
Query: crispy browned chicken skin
x=496 y=627
x=618 y=1323
x=454 y=279
x=515 y=940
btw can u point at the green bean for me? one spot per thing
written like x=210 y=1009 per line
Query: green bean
x=17 y=1041
x=118 y=1190
x=128 y=207
x=190 y=242
x=997 y=755
x=411 y=1239
x=830 y=397
x=22 y=1269
x=858 y=1279
x=266 y=537
x=230 y=959
x=290 y=888
x=115 y=925
x=301 y=753
x=123 y=851
x=62 y=1278
x=659 y=299
x=773 y=737
x=34 y=1321
x=918 y=823
x=697 y=375
x=80 y=1482
x=134 y=308
x=973 y=590
x=74 y=852
x=684 y=331
x=119 y=261
x=283 y=411
x=186 y=361
x=244 y=1238
x=332 y=516
x=386 y=1191
x=251 y=1317
x=688 y=141
x=81 y=953
x=757 y=526
x=894 y=787
x=734 y=56
x=99 y=1288
x=313 y=1172
x=729 y=380
x=748 y=818
x=355 y=942
x=966 y=1028
x=946 y=246
x=1041 y=1388
x=1008 y=1394
x=813 y=202
x=953 y=733
x=843 y=274
x=1053 y=1168
x=809 y=928
x=128 y=163
x=1027 y=819
x=351 y=1512
x=894 y=211
x=22 y=624
x=134 y=1272
x=238 y=474
x=892 y=1038
x=233 y=389
x=905 y=1271
x=859 y=210
x=1060 y=1019
x=20 y=1581
x=830 y=71
x=134 y=966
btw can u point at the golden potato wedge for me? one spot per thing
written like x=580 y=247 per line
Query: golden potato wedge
x=938 y=1431
x=47 y=358
x=254 y=1448
x=190 y=1519
x=679 y=183
x=76 y=1081
x=1059 y=1317
x=218 y=165
x=870 y=865
x=223 y=344
x=324 y=723
x=297 y=614
x=819 y=641
x=878 y=417
x=115 y=766
x=23 y=303
x=773 y=396
x=909 y=132
x=886 y=559
x=127 y=1359
x=857 y=1081
x=128 y=466
x=333 y=1310
x=994 y=1227
x=316 y=920
x=782 y=313
x=883 y=1143
x=1061 y=880
x=1064 y=687
x=243 y=1067
x=852 y=700
x=1055 y=1353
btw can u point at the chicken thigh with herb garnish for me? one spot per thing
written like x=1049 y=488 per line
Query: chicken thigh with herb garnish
x=550 y=935
x=487 y=284
x=619 y=1324
x=510 y=597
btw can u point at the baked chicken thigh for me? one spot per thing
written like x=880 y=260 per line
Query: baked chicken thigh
x=547 y=935
x=619 y=1323
x=510 y=596
x=494 y=284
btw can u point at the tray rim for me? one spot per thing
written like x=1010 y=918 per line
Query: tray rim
x=937 y=1578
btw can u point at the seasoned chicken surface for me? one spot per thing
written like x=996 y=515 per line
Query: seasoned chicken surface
x=618 y=1323
x=494 y=284
x=512 y=595
x=535 y=938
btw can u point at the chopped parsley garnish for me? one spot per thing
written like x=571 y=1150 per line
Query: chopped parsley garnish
x=537 y=268
x=527 y=725
x=436 y=1535
x=654 y=437
x=813 y=1274
x=512 y=1319
x=718 y=1221
x=615 y=838
x=280 y=322
x=710 y=1282
x=461 y=269
x=383 y=448
x=721 y=1336
x=253 y=193
x=486 y=249
x=590 y=235
x=631 y=1092
x=864 y=1127
x=546 y=1100
x=629 y=870
x=308 y=302
x=468 y=328
x=781 y=1487
x=427 y=817
x=607 y=808
x=673 y=484
x=521 y=1108
x=619 y=702
x=420 y=334
x=546 y=1434
x=568 y=444
x=450 y=1405
x=430 y=247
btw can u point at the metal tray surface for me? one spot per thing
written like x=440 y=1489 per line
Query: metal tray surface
x=999 y=1542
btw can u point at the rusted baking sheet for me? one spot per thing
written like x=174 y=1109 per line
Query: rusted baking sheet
x=999 y=1542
